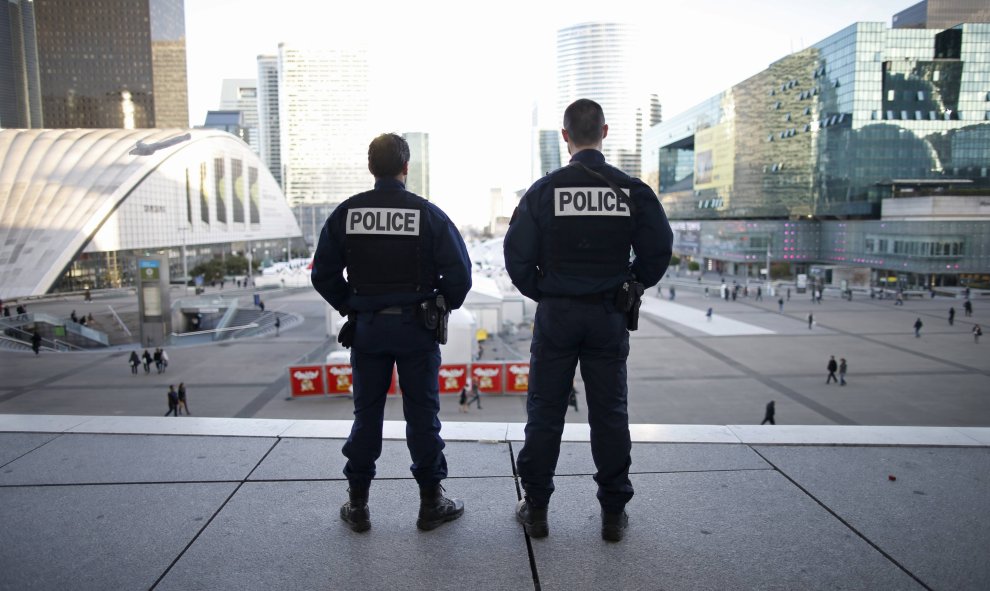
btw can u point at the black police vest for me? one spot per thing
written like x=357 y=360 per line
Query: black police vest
x=590 y=230
x=387 y=244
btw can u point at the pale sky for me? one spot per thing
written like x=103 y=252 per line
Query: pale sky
x=470 y=73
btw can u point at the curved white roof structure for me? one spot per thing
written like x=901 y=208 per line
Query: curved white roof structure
x=64 y=192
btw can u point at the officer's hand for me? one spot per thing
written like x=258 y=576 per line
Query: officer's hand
x=346 y=335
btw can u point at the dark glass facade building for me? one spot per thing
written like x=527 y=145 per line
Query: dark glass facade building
x=99 y=63
x=832 y=140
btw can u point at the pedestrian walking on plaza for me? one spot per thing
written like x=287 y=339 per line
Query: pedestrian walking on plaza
x=475 y=394
x=173 y=402
x=832 y=366
x=463 y=401
x=788 y=294
x=706 y=292
x=811 y=320
x=395 y=265
x=158 y=359
x=36 y=342
x=672 y=293
x=759 y=294
x=164 y=360
x=900 y=299
x=917 y=327
x=952 y=314
x=780 y=305
x=146 y=357
x=573 y=259
x=278 y=325
x=135 y=361
x=183 y=406
x=572 y=398
x=968 y=307
x=769 y=414
x=977 y=333
x=708 y=314
x=842 y=371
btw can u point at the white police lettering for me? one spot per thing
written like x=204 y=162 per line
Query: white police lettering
x=588 y=201
x=383 y=220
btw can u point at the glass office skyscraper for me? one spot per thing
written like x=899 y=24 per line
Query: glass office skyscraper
x=601 y=62
x=106 y=64
x=831 y=141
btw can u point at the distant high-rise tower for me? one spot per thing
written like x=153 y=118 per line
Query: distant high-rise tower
x=418 y=180
x=323 y=96
x=106 y=64
x=241 y=94
x=20 y=86
x=269 y=131
x=549 y=150
x=942 y=14
x=602 y=62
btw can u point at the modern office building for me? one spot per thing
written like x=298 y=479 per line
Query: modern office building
x=106 y=64
x=418 y=180
x=604 y=62
x=324 y=100
x=241 y=94
x=548 y=142
x=79 y=206
x=269 y=131
x=863 y=158
x=942 y=14
x=20 y=83
x=230 y=121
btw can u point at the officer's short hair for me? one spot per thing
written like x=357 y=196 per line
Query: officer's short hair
x=584 y=120
x=387 y=155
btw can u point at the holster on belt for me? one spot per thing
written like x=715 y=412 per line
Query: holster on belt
x=628 y=299
x=433 y=313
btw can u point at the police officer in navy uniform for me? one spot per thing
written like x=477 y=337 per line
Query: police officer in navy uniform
x=400 y=251
x=568 y=248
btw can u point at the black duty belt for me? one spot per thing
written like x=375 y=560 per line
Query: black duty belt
x=591 y=298
x=396 y=310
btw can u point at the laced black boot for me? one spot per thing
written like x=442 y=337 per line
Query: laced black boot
x=533 y=519
x=355 y=511
x=436 y=509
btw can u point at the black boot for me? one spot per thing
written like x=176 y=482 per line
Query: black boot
x=614 y=526
x=534 y=519
x=436 y=509
x=355 y=511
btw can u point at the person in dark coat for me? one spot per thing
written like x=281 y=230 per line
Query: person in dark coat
x=182 y=399
x=768 y=416
x=173 y=402
x=158 y=360
x=36 y=342
x=135 y=361
x=146 y=357
x=843 y=367
x=952 y=314
x=832 y=366
x=917 y=327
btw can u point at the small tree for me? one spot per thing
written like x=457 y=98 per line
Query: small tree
x=694 y=266
x=210 y=270
x=675 y=260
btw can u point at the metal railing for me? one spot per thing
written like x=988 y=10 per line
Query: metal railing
x=120 y=322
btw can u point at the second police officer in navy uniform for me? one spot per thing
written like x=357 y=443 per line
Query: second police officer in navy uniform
x=568 y=248
x=406 y=266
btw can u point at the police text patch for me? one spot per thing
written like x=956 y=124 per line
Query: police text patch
x=588 y=201
x=383 y=220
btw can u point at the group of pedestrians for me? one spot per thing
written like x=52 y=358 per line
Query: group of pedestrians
x=160 y=359
x=842 y=367
x=177 y=400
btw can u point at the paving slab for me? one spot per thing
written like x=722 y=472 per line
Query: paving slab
x=575 y=458
x=99 y=537
x=184 y=426
x=15 y=445
x=40 y=423
x=848 y=435
x=288 y=535
x=698 y=531
x=136 y=458
x=932 y=518
x=312 y=459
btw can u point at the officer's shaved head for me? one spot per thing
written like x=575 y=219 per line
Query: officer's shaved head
x=583 y=121
x=388 y=155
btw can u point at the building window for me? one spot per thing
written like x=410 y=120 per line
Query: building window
x=921 y=95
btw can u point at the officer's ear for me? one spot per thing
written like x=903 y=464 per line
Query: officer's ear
x=605 y=131
x=563 y=134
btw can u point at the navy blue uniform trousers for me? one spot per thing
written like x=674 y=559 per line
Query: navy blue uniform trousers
x=379 y=341
x=568 y=331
